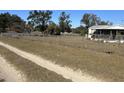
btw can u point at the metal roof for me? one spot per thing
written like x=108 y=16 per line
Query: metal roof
x=107 y=27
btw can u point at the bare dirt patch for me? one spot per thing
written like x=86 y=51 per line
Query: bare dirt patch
x=8 y=72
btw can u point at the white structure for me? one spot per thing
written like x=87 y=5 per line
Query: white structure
x=106 y=32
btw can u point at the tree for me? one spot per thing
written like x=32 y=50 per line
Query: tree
x=54 y=29
x=8 y=21
x=16 y=23
x=79 y=30
x=92 y=19
x=64 y=22
x=105 y=23
x=51 y=28
x=57 y=30
x=40 y=19
x=4 y=21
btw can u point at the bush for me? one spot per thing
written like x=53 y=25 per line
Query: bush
x=57 y=30
x=80 y=30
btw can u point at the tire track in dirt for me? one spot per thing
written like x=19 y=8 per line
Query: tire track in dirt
x=9 y=73
x=66 y=72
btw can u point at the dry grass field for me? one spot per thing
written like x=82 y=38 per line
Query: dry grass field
x=104 y=61
x=33 y=72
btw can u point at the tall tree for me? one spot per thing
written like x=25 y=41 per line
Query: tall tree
x=65 y=22
x=105 y=23
x=40 y=19
x=4 y=21
x=92 y=19
x=80 y=30
x=51 y=28
x=7 y=21
x=16 y=22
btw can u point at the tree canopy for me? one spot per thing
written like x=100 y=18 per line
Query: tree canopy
x=80 y=30
x=7 y=20
x=89 y=19
x=65 y=22
x=39 y=19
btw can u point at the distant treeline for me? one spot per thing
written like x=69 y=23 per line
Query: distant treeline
x=41 y=21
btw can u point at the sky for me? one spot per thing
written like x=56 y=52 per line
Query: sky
x=114 y=16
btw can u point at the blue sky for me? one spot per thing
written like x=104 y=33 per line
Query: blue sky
x=115 y=16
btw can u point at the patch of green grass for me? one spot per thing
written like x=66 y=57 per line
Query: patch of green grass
x=89 y=56
x=32 y=71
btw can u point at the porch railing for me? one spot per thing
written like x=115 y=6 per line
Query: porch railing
x=108 y=37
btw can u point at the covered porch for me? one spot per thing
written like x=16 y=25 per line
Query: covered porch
x=108 y=34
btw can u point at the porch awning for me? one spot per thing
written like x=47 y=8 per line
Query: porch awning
x=107 y=27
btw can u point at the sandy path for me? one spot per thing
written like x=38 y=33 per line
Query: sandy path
x=66 y=72
x=9 y=73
